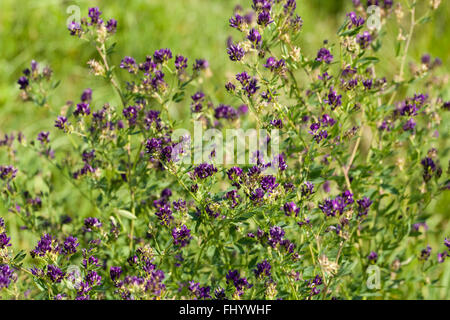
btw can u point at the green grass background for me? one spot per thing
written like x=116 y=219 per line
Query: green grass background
x=31 y=29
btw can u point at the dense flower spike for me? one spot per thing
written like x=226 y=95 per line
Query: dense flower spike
x=324 y=55
x=235 y=52
x=203 y=171
x=181 y=236
x=46 y=245
x=6 y=276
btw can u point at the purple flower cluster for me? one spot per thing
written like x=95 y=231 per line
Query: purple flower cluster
x=276 y=237
x=429 y=167
x=91 y=224
x=337 y=205
x=363 y=206
x=235 y=52
x=46 y=245
x=88 y=160
x=225 y=112
x=263 y=270
x=70 y=245
x=333 y=99
x=355 y=21
x=234 y=277
x=373 y=257
x=55 y=274
x=203 y=171
x=198 y=291
x=314 y=283
x=324 y=55
x=364 y=39
x=6 y=276
x=115 y=273
x=7 y=172
x=181 y=236
x=275 y=65
x=164 y=214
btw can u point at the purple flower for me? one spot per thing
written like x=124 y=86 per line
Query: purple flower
x=274 y=64
x=203 y=171
x=130 y=113
x=333 y=99
x=200 y=64
x=326 y=120
x=129 y=64
x=234 y=173
x=179 y=205
x=257 y=195
x=276 y=236
x=180 y=62
x=199 y=292
x=324 y=55
x=94 y=14
x=447 y=243
x=277 y=123
x=198 y=96
x=55 y=274
x=368 y=83
x=355 y=21
x=43 y=137
x=70 y=245
x=45 y=245
x=372 y=257
x=75 y=29
x=61 y=122
x=425 y=253
x=363 y=206
x=237 y=21
x=23 y=82
x=264 y=19
x=91 y=224
x=82 y=109
x=181 y=236
x=4 y=241
x=388 y=4
x=254 y=36
x=307 y=189
x=93 y=278
x=290 y=6
x=409 y=125
x=268 y=183
x=164 y=214
x=243 y=109
x=111 y=26
x=251 y=88
x=233 y=196
x=7 y=172
x=6 y=275
x=86 y=96
x=225 y=112
x=364 y=39
x=234 y=277
x=235 y=52
x=262 y=269
x=152 y=145
x=162 y=55
x=441 y=256
x=290 y=208
x=417 y=226
x=230 y=87
x=279 y=162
